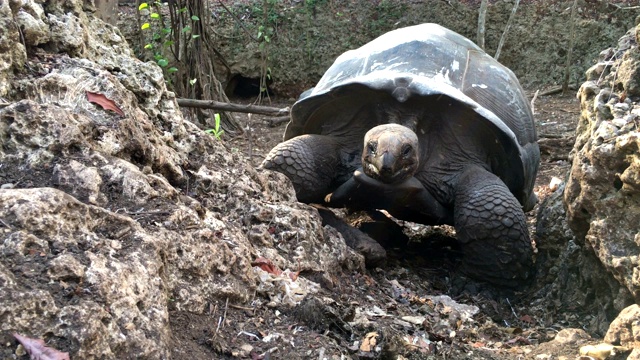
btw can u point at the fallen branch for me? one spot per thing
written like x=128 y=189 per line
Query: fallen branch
x=222 y=106
x=557 y=89
x=533 y=102
x=273 y=122
x=618 y=7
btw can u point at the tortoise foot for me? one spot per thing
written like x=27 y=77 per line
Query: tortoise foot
x=374 y=254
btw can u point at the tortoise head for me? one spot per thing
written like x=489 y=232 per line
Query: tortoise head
x=390 y=153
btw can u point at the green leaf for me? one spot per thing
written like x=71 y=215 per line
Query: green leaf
x=195 y=18
x=143 y=6
x=168 y=43
x=184 y=9
x=259 y=34
x=148 y=46
x=192 y=81
x=156 y=36
x=186 y=29
x=195 y=36
x=216 y=117
x=145 y=26
x=163 y=62
x=172 y=69
x=166 y=31
x=267 y=38
x=158 y=57
x=155 y=16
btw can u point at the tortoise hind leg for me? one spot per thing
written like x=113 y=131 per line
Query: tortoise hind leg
x=492 y=229
x=309 y=161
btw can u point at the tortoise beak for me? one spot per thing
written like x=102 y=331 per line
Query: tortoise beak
x=386 y=165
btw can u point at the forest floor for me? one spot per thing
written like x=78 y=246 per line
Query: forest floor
x=416 y=306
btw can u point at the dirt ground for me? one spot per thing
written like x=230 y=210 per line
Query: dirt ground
x=395 y=308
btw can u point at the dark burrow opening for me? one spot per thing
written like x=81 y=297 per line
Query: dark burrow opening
x=246 y=87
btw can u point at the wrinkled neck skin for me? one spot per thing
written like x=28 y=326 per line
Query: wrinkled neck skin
x=401 y=114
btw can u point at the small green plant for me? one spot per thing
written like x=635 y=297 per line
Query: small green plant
x=161 y=34
x=162 y=37
x=216 y=131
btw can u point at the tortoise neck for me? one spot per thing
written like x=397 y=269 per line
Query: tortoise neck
x=402 y=115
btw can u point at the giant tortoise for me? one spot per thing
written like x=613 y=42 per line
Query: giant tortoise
x=422 y=123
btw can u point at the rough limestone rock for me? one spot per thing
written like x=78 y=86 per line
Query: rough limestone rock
x=592 y=223
x=109 y=222
x=625 y=329
x=569 y=275
x=12 y=52
x=603 y=190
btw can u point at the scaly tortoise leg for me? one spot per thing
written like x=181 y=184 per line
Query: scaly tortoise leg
x=309 y=161
x=492 y=228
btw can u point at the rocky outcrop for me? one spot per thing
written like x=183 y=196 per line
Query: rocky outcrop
x=570 y=276
x=603 y=189
x=114 y=209
x=625 y=331
x=594 y=221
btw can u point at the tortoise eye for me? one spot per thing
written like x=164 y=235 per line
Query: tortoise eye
x=406 y=150
x=372 y=147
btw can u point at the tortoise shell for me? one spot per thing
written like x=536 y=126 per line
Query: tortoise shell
x=430 y=67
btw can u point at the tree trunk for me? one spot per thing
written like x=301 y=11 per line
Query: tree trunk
x=506 y=28
x=482 y=14
x=567 y=69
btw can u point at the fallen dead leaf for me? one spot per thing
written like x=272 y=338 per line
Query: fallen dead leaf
x=267 y=265
x=421 y=343
x=103 y=101
x=369 y=342
x=38 y=350
x=527 y=319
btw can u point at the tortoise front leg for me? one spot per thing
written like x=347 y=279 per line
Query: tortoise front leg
x=309 y=161
x=374 y=254
x=408 y=200
x=492 y=228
